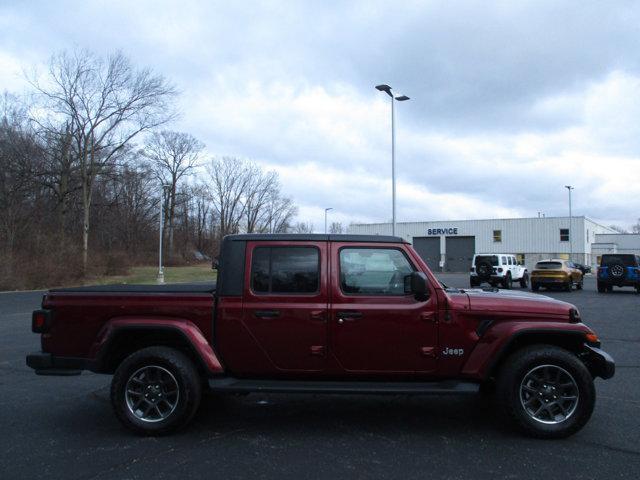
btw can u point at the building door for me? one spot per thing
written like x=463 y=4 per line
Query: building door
x=429 y=249
x=460 y=251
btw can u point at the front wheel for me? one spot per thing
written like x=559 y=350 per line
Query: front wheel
x=507 y=282
x=546 y=391
x=524 y=281
x=156 y=391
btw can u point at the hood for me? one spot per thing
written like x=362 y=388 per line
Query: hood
x=516 y=302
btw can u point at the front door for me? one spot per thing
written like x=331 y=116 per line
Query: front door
x=285 y=302
x=375 y=327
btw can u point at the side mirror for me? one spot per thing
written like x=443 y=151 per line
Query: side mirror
x=416 y=283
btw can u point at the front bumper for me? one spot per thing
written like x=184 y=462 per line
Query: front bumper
x=599 y=362
x=47 y=364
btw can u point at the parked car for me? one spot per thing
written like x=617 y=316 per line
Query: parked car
x=497 y=269
x=620 y=270
x=556 y=273
x=583 y=268
x=322 y=314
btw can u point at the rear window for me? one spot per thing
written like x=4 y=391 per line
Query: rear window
x=285 y=270
x=626 y=260
x=548 y=265
x=490 y=259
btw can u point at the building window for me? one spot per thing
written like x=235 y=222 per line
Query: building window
x=497 y=236
x=520 y=258
x=564 y=234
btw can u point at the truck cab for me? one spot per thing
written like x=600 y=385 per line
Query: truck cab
x=322 y=314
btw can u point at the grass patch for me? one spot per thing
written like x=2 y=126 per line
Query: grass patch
x=149 y=275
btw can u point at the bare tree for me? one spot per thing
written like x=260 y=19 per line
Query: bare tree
x=106 y=102
x=281 y=212
x=230 y=180
x=173 y=155
x=619 y=229
x=336 y=227
x=303 y=227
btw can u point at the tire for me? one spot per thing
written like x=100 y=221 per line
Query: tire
x=580 y=284
x=601 y=287
x=617 y=271
x=524 y=281
x=171 y=406
x=519 y=395
x=507 y=282
x=473 y=283
x=535 y=287
x=568 y=286
x=609 y=288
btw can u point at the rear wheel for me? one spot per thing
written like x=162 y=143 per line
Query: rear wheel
x=579 y=284
x=156 y=391
x=568 y=285
x=524 y=281
x=546 y=391
x=507 y=282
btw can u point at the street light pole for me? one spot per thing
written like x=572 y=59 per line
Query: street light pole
x=400 y=98
x=325 y=218
x=569 y=188
x=160 y=278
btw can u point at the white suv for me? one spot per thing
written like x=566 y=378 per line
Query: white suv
x=497 y=269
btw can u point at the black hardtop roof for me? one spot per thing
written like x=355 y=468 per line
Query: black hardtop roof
x=314 y=237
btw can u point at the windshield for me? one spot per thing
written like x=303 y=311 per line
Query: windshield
x=490 y=259
x=548 y=265
x=626 y=260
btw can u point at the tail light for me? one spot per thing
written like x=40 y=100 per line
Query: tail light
x=41 y=321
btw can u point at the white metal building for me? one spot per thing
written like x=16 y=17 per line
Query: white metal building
x=450 y=245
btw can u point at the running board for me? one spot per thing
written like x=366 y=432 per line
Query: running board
x=234 y=385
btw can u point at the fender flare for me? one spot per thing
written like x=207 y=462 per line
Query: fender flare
x=186 y=329
x=481 y=364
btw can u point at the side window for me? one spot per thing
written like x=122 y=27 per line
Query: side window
x=510 y=261
x=373 y=271
x=504 y=260
x=285 y=270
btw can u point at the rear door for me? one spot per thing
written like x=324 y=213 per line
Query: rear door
x=374 y=326
x=285 y=302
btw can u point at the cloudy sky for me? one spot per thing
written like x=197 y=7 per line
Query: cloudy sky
x=510 y=101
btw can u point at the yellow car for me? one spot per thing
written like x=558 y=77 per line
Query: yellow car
x=556 y=273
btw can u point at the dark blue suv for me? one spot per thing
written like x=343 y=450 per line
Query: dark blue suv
x=620 y=270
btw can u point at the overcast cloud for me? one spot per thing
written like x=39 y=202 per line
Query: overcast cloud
x=510 y=101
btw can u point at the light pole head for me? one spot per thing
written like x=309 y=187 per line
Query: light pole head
x=402 y=98
x=568 y=187
x=385 y=88
x=327 y=209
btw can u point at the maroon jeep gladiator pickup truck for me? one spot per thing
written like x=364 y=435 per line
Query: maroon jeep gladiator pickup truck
x=322 y=314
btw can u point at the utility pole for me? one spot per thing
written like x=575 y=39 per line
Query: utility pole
x=325 y=218
x=569 y=187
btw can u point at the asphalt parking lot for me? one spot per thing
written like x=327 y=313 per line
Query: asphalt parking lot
x=63 y=427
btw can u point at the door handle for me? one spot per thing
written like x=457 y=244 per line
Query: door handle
x=348 y=316
x=267 y=313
